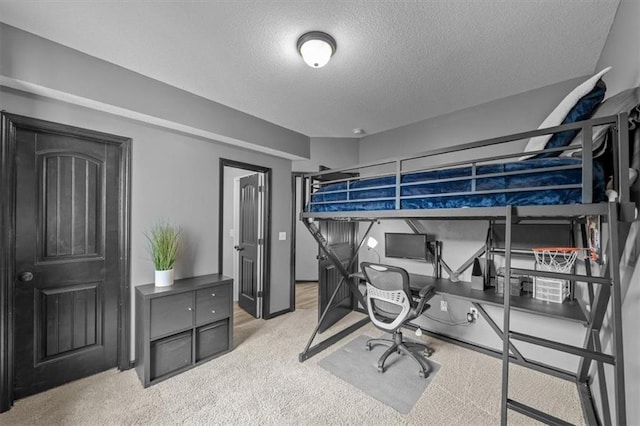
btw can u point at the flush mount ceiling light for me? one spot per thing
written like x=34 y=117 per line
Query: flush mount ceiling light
x=316 y=48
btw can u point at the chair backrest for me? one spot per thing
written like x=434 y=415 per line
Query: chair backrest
x=388 y=294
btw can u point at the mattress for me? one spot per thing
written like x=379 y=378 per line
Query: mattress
x=529 y=182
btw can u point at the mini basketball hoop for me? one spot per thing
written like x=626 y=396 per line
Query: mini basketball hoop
x=560 y=259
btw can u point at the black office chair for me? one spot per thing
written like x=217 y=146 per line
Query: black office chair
x=390 y=306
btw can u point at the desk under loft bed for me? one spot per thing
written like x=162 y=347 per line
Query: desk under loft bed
x=500 y=189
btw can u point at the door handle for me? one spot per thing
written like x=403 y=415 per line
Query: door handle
x=238 y=248
x=321 y=257
x=25 y=276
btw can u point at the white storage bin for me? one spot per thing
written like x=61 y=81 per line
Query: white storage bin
x=550 y=289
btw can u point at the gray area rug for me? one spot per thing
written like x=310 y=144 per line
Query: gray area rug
x=399 y=386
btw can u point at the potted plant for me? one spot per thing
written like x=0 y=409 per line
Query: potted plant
x=163 y=244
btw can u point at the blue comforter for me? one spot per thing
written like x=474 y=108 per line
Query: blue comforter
x=367 y=194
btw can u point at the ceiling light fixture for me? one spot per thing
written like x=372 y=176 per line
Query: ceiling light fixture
x=316 y=48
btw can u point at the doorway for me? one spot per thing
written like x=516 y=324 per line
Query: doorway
x=304 y=252
x=245 y=229
x=64 y=287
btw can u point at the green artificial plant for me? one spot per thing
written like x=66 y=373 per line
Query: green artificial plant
x=163 y=245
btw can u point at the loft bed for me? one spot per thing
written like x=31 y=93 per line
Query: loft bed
x=478 y=184
x=589 y=174
x=574 y=163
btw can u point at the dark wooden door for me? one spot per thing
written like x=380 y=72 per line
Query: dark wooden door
x=341 y=238
x=67 y=284
x=248 y=244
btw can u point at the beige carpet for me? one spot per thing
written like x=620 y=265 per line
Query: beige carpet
x=262 y=382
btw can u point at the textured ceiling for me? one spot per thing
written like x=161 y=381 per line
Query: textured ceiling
x=396 y=62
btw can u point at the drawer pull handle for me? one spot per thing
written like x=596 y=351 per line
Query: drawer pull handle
x=213 y=312
x=213 y=294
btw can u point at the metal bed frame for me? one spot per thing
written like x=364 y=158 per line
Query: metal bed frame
x=600 y=289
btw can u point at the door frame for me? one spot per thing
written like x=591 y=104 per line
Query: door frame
x=296 y=196
x=266 y=226
x=8 y=125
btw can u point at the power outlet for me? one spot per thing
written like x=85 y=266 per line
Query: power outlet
x=474 y=313
x=444 y=306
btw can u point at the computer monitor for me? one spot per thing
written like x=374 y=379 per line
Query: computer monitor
x=406 y=246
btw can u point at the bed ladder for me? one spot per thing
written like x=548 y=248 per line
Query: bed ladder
x=591 y=350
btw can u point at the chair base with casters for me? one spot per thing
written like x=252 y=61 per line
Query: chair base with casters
x=390 y=306
x=398 y=345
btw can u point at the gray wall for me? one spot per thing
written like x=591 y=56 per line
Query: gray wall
x=329 y=152
x=175 y=174
x=514 y=114
x=622 y=49
x=176 y=177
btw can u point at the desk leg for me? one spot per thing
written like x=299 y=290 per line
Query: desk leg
x=507 y=312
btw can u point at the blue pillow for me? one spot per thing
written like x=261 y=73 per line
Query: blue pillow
x=582 y=110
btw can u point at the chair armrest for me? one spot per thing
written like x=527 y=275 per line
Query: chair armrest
x=425 y=294
x=424 y=291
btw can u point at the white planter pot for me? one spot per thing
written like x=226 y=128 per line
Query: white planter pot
x=164 y=278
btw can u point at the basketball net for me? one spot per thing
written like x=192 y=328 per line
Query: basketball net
x=558 y=259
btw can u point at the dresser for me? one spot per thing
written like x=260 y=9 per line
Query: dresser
x=183 y=325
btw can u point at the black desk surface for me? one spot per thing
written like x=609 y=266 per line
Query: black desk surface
x=569 y=310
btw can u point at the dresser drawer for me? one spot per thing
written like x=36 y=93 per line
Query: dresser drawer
x=212 y=304
x=212 y=339
x=170 y=354
x=171 y=313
